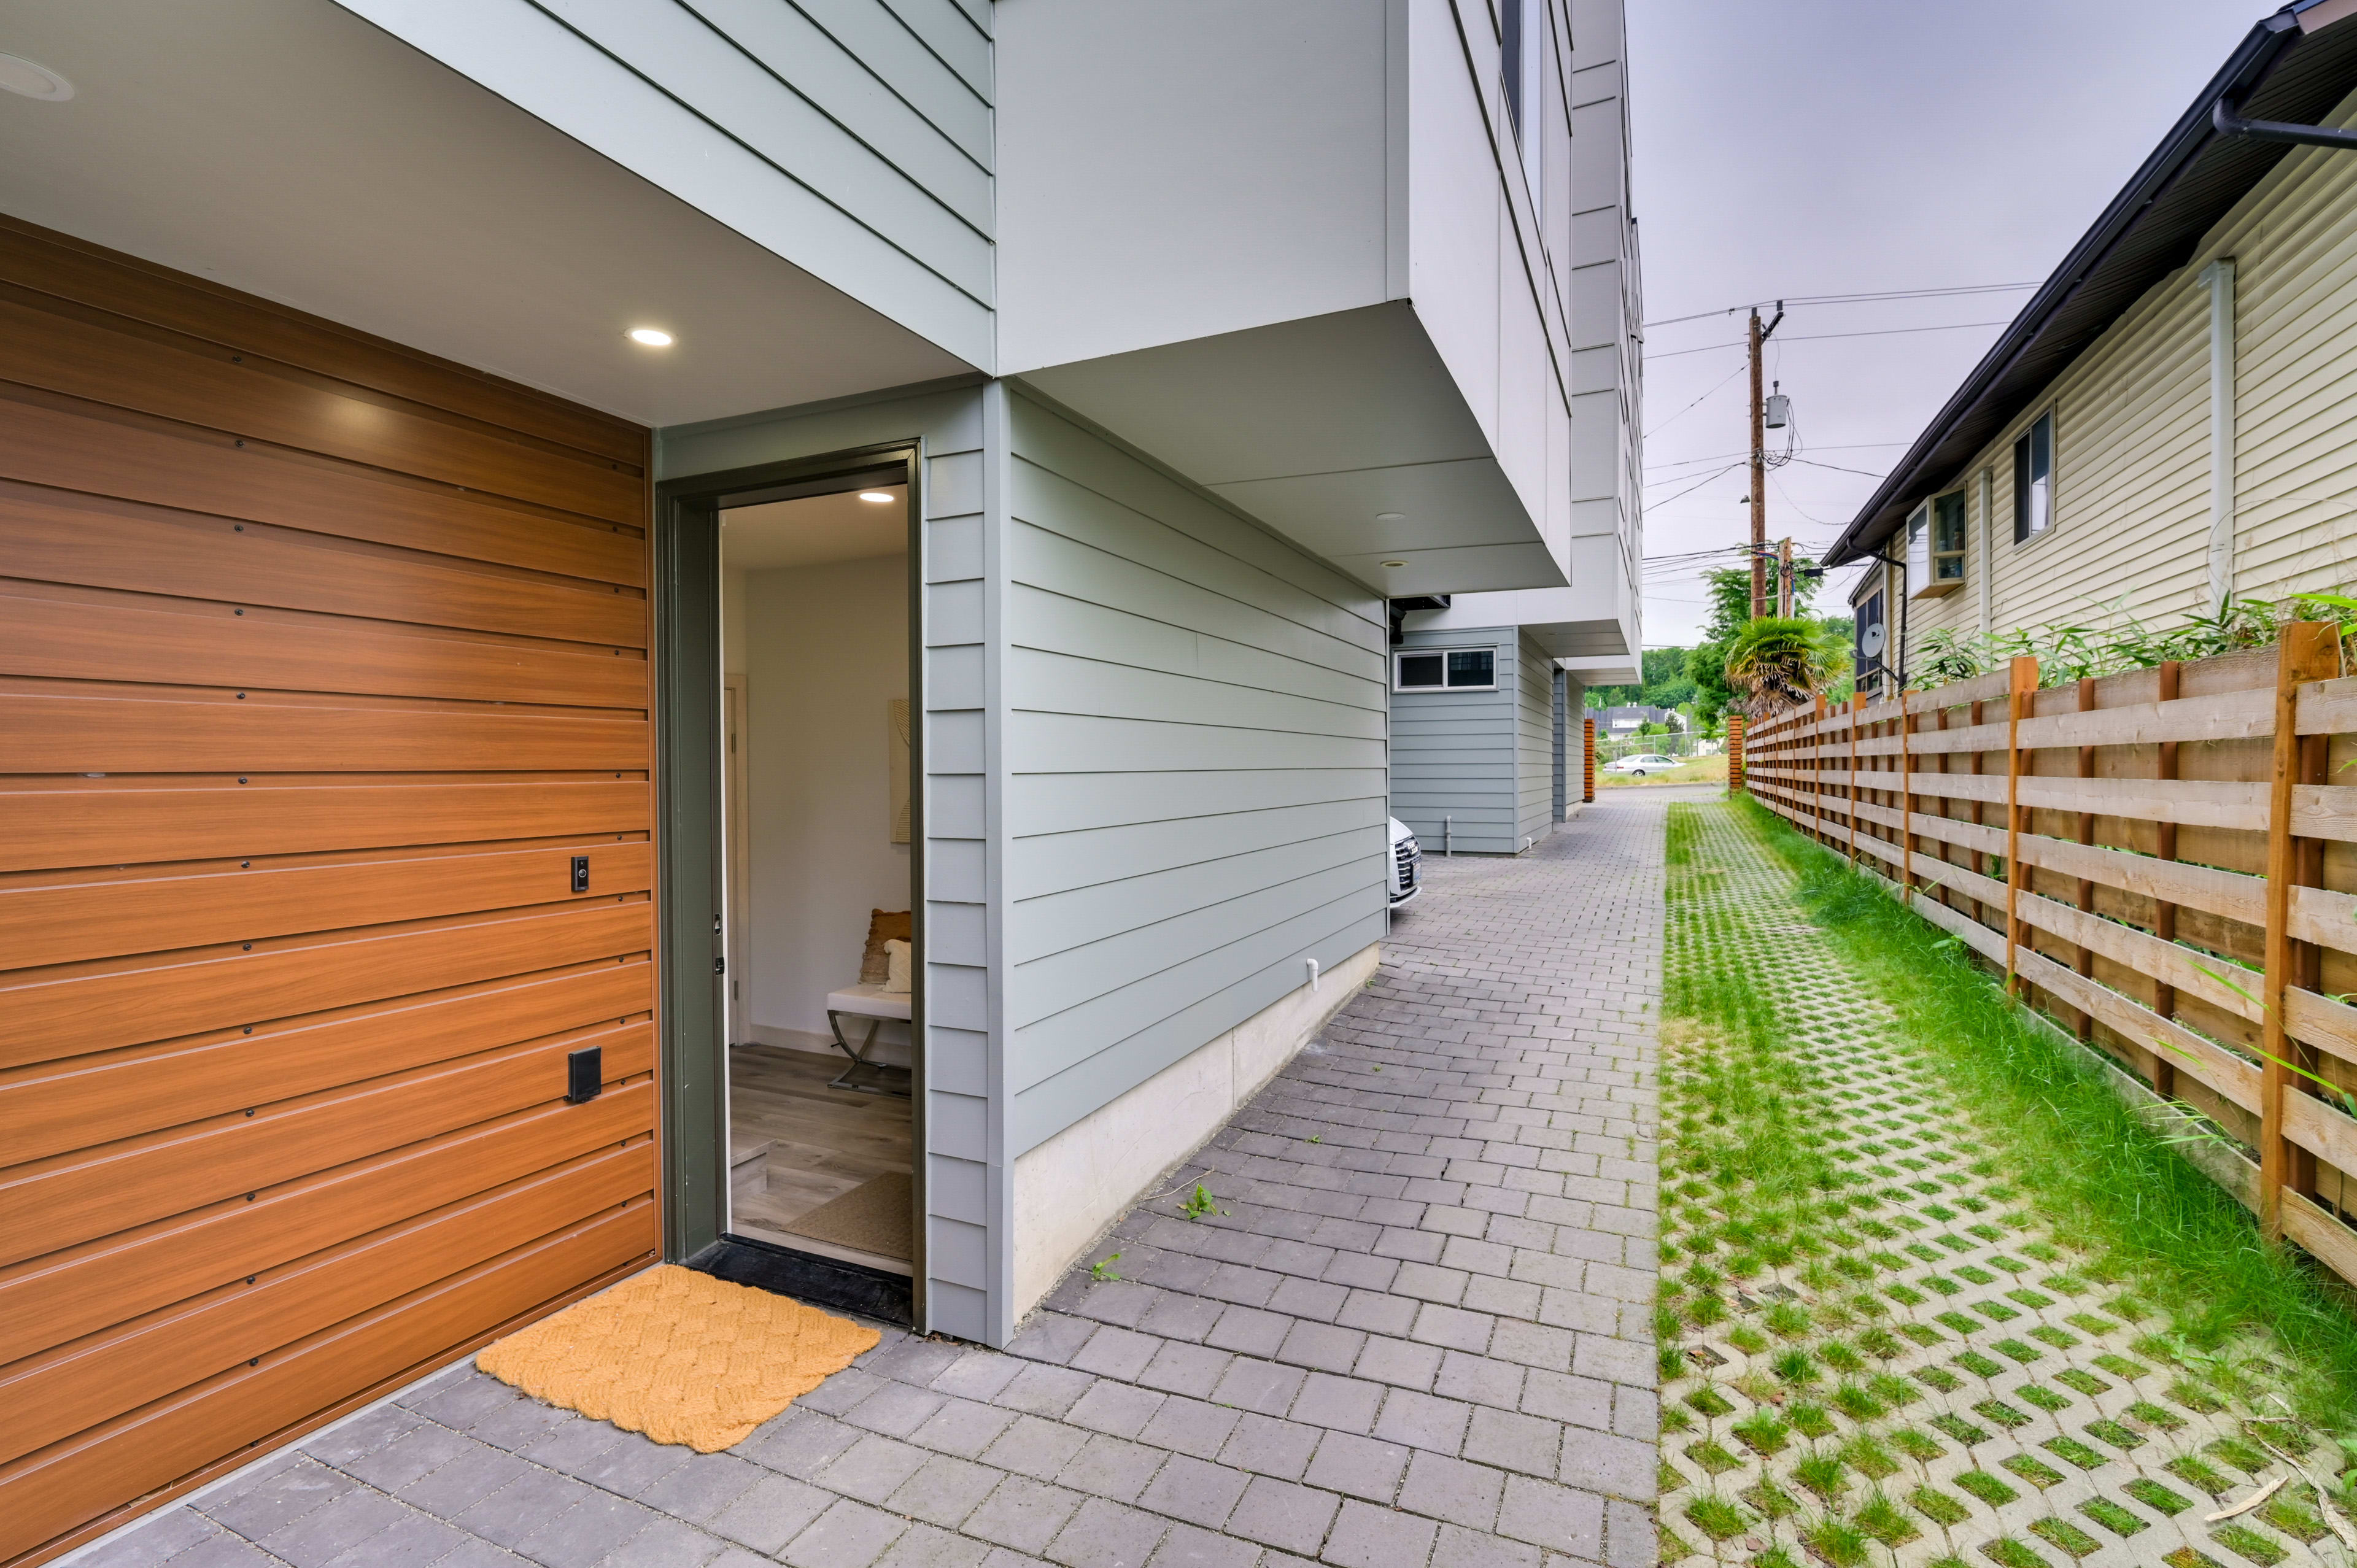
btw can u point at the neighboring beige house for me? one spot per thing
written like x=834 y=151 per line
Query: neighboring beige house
x=2210 y=309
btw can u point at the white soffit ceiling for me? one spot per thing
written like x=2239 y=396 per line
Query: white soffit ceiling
x=290 y=149
x=1345 y=433
x=814 y=530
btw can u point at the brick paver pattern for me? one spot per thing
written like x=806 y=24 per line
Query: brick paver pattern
x=1415 y=1329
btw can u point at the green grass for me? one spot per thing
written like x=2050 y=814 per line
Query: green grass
x=2075 y=1149
x=2030 y=1470
x=2061 y=1532
x=1938 y=1506
x=2249 y=1545
x=1715 y=1517
x=2157 y=1498
x=1985 y=1486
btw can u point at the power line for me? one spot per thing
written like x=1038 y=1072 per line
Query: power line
x=1656 y=429
x=1839 y=469
x=1820 y=337
x=1721 y=456
x=1707 y=479
x=1850 y=300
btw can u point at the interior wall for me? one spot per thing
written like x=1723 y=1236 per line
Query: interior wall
x=824 y=649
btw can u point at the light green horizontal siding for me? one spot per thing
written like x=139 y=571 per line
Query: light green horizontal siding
x=1195 y=744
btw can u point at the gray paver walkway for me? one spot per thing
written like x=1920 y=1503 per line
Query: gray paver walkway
x=1419 y=1333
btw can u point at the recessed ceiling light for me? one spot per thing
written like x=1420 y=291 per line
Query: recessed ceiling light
x=652 y=336
x=1390 y=563
x=1391 y=517
x=880 y=497
x=26 y=80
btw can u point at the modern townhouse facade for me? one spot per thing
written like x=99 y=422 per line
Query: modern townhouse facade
x=567 y=564
x=1489 y=689
x=2170 y=420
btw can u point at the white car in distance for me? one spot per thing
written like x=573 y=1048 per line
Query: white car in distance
x=1644 y=762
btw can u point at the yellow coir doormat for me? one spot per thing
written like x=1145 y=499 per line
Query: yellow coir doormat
x=679 y=1356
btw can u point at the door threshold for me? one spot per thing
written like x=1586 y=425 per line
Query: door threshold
x=841 y=1253
x=811 y=1277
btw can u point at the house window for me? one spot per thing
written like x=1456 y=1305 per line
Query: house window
x=2034 y=479
x=1518 y=43
x=1935 y=547
x=1450 y=670
x=1872 y=639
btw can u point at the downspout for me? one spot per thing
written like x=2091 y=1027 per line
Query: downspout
x=2226 y=115
x=2218 y=278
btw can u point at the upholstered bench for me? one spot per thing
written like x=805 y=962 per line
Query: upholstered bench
x=876 y=1004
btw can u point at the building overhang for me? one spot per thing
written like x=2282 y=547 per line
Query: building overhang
x=1346 y=433
x=291 y=149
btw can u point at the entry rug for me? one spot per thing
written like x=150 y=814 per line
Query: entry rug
x=680 y=1355
x=872 y=1217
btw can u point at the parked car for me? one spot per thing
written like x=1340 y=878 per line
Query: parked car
x=1407 y=855
x=1644 y=762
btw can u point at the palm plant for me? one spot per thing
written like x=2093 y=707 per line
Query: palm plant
x=1777 y=662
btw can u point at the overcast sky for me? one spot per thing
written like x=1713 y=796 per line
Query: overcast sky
x=1838 y=146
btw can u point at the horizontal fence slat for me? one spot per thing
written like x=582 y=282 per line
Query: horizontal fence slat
x=2324 y=1022
x=2326 y=707
x=2147 y=954
x=2335 y=1244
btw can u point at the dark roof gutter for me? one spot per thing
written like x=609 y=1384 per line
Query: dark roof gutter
x=2057 y=324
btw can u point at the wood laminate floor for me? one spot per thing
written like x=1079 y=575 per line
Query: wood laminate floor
x=823 y=1141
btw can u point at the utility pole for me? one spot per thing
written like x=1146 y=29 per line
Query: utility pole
x=1758 y=335
x=1785 y=577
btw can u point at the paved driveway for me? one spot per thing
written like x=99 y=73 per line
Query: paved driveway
x=1415 y=1334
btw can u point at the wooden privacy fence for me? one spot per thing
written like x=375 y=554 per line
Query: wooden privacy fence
x=2163 y=860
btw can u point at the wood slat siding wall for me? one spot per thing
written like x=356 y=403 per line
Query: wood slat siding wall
x=2131 y=430
x=319 y=662
x=2141 y=879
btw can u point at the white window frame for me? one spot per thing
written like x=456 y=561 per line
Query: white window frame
x=2022 y=535
x=1923 y=557
x=1442 y=654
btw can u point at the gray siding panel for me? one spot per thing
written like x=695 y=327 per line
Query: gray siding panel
x=1534 y=736
x=839 y=135
x=1195 y=743
x=1456 y=755
x=949 y=87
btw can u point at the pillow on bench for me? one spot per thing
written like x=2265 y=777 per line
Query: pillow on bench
x=883 y=925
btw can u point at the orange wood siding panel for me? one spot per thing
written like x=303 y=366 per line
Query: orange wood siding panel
x=320 y=662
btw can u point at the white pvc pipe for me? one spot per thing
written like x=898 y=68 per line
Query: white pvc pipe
x=2218 y=278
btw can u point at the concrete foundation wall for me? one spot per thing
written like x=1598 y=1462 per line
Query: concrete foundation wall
x=1071 y=1188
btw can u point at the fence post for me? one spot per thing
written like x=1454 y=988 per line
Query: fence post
x=2164 y=916
x=1735 y=754
x=1588 y=760
x=1856 y=707
x=1817 y=767
x=2021 y=692
x=2309 y=651
x=1906 y=805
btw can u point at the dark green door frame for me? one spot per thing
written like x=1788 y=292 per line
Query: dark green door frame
x=693 y=1064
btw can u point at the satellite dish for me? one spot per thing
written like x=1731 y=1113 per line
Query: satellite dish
x=1869 y=641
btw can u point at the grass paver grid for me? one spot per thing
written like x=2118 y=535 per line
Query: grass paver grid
x=1895 y=1359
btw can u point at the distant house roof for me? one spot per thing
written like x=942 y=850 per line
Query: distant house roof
x=2295 y=65
x=1630 y=715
